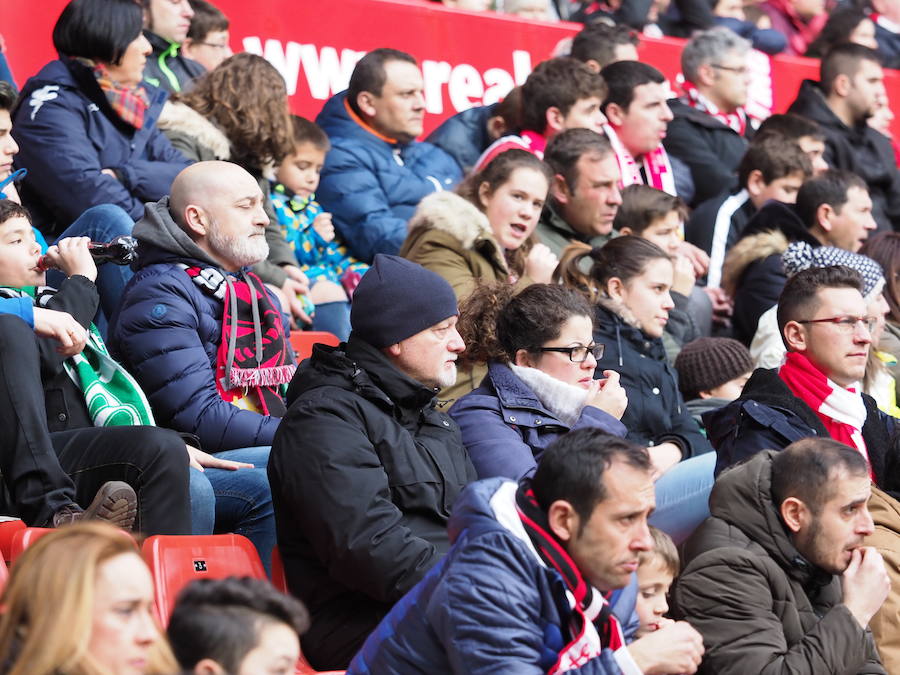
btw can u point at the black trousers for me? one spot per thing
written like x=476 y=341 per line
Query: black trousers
x=45 y=471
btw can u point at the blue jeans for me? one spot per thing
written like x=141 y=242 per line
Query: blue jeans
x=101 y=223
x=682 y=496
x=236 y=501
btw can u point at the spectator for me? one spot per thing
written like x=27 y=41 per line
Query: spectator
x=528 y=9
x=886 y=16
x=332 y=273
x=377 y=173
x=541 y=357
x=54 y=460
x=884 y=248
x=465 y=135
x=849 y=91
x=80 y=600
x=712 y=372
x=5 y=71
x=638 y=116
x=207 y=40
x=658 y=217
x=657 y=569
x=116 y=156
x=710 y=130
x=599 y=44
x=633 y=14
x=533 y=559
x=364 y=469
x=239 y=626
x=803 y=131
x=584 y=192
x=179 y=332
x=778 y=579
x=731 y=15
x=801 y=21
x=239 y=112
x=772 y=168
x=629 y=282
x=833 y=209
x=166 y=25
x=845 y=24
x=559 y=94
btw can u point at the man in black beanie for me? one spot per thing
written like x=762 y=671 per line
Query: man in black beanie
x=364 y=470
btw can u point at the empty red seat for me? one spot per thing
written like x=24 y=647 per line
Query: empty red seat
x=8 y=529
x=24 y=538
x=302 y=341
x=175 y=561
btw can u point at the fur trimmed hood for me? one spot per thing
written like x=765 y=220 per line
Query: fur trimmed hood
x=619 y=310
x=180 y=118
x=455 y=215
x=748 y=250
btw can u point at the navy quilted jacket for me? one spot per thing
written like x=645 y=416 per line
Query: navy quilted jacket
x=372 y=186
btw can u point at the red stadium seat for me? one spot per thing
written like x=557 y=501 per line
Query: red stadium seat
x=302 y=341
x=175 y=561
x=4 y=575
x=24 y=538
x=8 y=529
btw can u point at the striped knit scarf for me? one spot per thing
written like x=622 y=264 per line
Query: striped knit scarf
x=593 y=627
x=655 y=164
x=736 y=121
x=129 y=104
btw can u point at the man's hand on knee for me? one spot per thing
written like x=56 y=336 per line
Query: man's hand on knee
x=63 y=328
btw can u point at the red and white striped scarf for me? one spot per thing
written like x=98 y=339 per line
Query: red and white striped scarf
x=655 y=164
x=736 y=120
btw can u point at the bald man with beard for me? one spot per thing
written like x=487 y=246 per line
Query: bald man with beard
x=206 y=339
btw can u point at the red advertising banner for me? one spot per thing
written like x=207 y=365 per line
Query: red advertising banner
x=467 y=58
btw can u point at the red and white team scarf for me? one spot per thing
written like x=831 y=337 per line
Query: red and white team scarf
x=841 y=410
x=736 y=120
x=655 y=164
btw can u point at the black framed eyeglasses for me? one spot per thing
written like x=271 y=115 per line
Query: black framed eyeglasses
x=579 y=353
x=847 y=324
x=740 y=70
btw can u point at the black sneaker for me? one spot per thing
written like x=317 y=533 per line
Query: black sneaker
x=115 y=502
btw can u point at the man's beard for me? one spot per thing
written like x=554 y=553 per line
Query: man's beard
x=241 y=251
x=447 y=379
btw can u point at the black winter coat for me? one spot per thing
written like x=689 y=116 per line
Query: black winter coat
x=768 y=416
x=859 y=149
x=656 y=412
x=759 y=605
x=364 y=472
x=710 y=148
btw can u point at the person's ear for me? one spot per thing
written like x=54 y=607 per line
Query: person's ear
x=484 y=193
x=706 y=75
x=196 y=221
x=563 y=521
x=842 y=85
x=755 y=183
x=593 y=65
x=615 y=114
x=555 y=120
x=496 y=127
x=795 y=514
x=393 y=350
x=559 y=190
x=795 y=337
x=365 y=101
x=705 y=394
x=208 y=667
x=615 y=289
x=523 y=358
x=625 y=231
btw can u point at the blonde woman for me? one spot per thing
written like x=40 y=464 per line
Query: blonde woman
x=80 y=602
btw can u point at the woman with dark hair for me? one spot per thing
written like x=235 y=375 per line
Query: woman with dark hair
x=845 y=24
x=484 y=234
x=86 y=124
x=540 y=382
x=239 y=112
x=629 y=283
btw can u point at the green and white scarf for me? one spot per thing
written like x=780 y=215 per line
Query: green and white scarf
x=112 y=395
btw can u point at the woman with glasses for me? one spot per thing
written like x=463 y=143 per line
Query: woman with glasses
x=629 y=285
x=540 y=382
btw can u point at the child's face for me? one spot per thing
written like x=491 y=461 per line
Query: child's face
x=19 y=254
x=664 y=232
x=300 y=171
x=654 y=580
x=731 y=390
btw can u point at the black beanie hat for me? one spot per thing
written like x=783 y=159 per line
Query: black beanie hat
x=396 y=299
x=708 y=362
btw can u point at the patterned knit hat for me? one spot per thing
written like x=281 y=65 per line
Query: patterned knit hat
x=708 y=362
x=801 y=256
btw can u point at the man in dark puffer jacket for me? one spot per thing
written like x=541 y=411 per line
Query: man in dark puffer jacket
x=777 y=580
x=364 y=469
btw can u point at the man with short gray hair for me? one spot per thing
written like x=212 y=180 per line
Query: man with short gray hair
x=710 y=130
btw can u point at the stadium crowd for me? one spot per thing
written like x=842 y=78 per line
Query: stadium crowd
x=613 y=386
